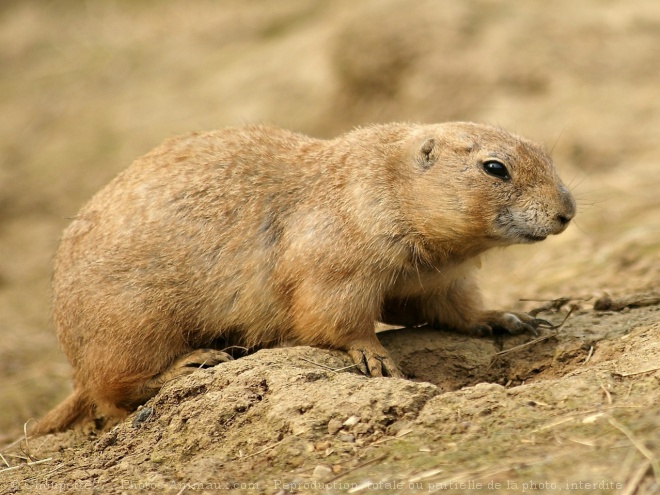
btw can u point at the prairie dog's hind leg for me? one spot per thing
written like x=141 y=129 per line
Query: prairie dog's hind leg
x=182 y=366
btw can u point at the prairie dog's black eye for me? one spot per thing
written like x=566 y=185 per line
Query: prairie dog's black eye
x=496 y=169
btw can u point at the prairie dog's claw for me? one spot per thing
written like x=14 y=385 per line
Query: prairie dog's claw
x=537 y=322
x=202 y=358
x=512 y=323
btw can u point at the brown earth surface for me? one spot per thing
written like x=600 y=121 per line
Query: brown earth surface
x=87 y=87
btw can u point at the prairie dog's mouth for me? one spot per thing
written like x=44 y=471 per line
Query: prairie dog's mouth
x=518 y=228
x=533 y=238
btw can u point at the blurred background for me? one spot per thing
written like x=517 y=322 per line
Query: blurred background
x=88 y=86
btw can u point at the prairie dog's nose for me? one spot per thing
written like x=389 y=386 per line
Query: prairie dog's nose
x=566 y=207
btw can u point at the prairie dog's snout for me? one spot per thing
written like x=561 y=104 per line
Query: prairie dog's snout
x=539 y=218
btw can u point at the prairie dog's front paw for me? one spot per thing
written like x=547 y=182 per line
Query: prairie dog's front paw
x=373 y=360
x=492 y=322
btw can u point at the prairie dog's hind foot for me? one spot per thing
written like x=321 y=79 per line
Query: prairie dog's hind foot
x=182 y=366
x=496 y=322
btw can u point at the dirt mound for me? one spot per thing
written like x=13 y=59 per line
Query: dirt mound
x=302 y=420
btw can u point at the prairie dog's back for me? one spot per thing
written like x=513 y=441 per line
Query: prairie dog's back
x=188 y=225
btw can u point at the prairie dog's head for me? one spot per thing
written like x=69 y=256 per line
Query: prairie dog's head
x=477 y=183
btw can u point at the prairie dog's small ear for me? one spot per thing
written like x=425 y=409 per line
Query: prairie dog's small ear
x=427 y=155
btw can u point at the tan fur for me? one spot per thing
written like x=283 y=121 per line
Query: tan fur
x=255 y=236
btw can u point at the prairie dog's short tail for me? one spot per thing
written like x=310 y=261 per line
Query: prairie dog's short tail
x=74 y=409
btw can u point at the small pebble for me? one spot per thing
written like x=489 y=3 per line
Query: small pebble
x=347 y=437
x=321 y=472
x=143 y=414
x=322 y=445
x=334 y=425
x=352 y=421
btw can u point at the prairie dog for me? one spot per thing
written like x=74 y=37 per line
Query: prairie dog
x=255 y=236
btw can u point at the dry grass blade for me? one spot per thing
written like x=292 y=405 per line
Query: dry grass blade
x=591 y=353
x=637 y=372
x=359 y=466
x=266 y=449
x=590 y=415
x=607 y=394
x=388 y=439
x=636 y=478
x=46 y=475
x=27 y=443
x=10 y=468
x=425 y=474
x=650 y=456
x=557 y=327
x=526 y=344
x=13 y=444
x=334 y=370
x=582 y=441
x=31 y=463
